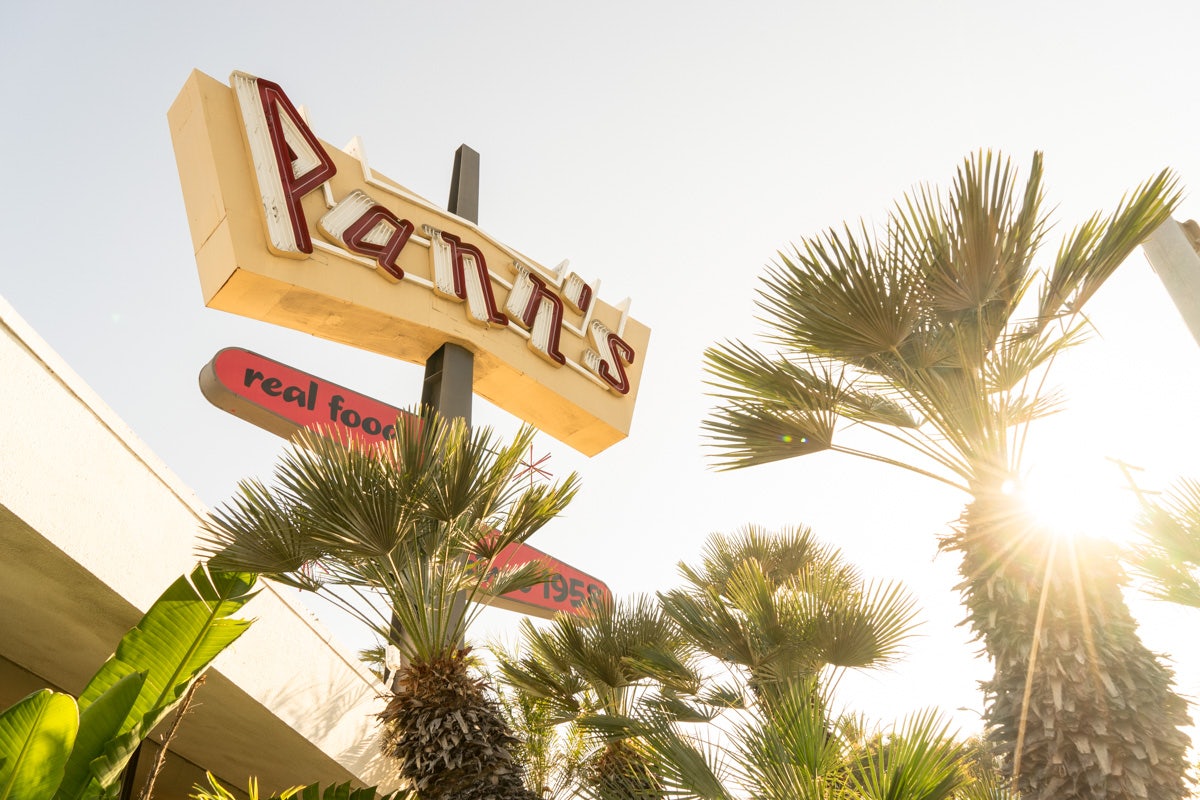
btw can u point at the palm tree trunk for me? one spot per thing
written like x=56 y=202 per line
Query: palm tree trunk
x=1078 y=708
x=622 y=771
x=447 y=736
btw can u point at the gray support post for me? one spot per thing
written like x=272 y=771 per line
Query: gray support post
x=448 y=376
x=464 y=184
x=449 y=372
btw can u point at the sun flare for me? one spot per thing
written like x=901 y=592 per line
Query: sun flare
x=1075 y=498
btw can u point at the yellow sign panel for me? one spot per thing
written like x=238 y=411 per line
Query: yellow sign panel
x=290 y=230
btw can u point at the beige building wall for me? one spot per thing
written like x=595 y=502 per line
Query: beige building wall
x=93 y=527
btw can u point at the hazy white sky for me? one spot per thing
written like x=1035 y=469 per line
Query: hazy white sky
x=667 y=149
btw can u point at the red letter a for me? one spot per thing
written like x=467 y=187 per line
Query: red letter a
x=288 y=161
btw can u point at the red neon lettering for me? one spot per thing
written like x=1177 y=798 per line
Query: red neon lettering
x=577 y=293
x=302 y=163
x=358 y=237
x=611 y=365
x=541 y=314
x=621 y=354
x=471 y=281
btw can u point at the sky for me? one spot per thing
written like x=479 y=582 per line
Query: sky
x=668 y=149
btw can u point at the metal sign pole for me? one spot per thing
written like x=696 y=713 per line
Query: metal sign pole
x=449 y=372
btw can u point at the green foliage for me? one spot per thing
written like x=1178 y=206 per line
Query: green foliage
x=783 y=607
x=393 y=531
x=339 y=791
x=590 y=673
x=552 y=753
x=791 y=748
x=775 y=610
x=136 y=689
x=1169 y=555
x=605 y=660
x=36 y=736
x=917 y=332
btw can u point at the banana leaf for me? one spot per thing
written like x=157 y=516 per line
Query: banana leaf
x=36 y=736
x=185 y=629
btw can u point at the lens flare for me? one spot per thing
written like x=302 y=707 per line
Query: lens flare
x=1082 y=501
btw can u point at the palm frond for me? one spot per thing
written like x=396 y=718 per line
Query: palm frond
x=258 y=531
x=782 y=555
x=535 y=506
x=1169 y=556
x=346 y=496
x=1094 y=250
x=786 y=750
x=711 y=624
x=771 y=410
x=389 y=531
x=684 y=765
x=1020 y=355
x=498 y=582
x=865 y=627
x=475 y=473
x=1018 y=410
x=1182 y=540
x=973 y=251
x=781 y=608
x=920 y=760
x=564 y=691
x=840 y=295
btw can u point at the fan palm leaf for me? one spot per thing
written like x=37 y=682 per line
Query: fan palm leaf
x=1169 y=556
x=791 y=747
x=841 y=296
x=783 y=607
x=1094 y=250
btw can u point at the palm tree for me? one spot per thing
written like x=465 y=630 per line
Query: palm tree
x=775 y=609
x=936 y=335
x=597 y=671
x=399 y=535
x=784 y=614
x=787 y=753
x=780 y=608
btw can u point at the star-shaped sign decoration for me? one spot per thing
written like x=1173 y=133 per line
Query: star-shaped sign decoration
x=534 y=468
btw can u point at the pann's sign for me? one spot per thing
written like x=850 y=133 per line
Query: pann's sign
x=292 y=231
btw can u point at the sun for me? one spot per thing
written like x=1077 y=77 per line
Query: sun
x=1074 y=497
